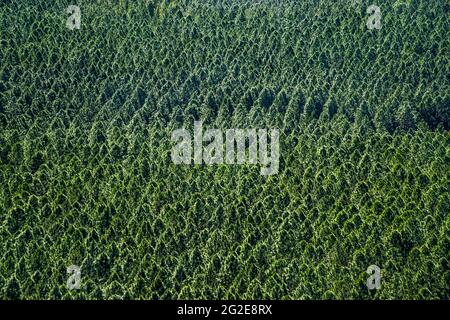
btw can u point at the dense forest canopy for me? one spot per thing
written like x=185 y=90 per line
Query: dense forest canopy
x=86 y=177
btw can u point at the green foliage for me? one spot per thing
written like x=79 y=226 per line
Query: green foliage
x=86 y=176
